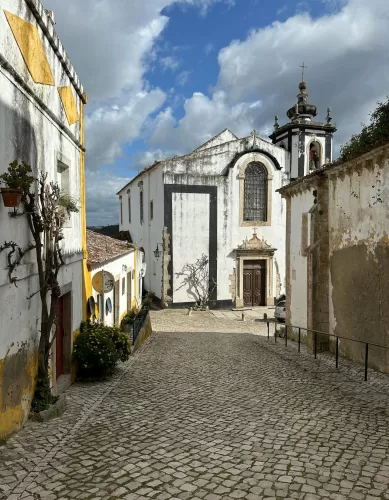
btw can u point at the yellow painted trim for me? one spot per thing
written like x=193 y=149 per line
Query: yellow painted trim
x=87 y=280
x=69 y=104
x=31 y=47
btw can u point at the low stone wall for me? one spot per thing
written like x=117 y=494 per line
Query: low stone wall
x=144 y=333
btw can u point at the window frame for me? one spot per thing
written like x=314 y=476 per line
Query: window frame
x=241 y=166
x=255 y=193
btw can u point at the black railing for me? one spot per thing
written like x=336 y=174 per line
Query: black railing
x=318 y=332
x=137 y=326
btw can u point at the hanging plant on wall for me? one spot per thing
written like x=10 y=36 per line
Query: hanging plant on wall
x=46 y=209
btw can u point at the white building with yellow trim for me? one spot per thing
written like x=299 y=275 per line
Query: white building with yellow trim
x=41 y=123
x=124 y=262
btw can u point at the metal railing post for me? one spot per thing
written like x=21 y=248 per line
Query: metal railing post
x=286 y=335
x=315 y=347
x=366 y=359
x=268 y=330
x=337 y=353
x=299 y=338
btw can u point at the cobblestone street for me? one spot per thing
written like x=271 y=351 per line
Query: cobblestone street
x=212 y=416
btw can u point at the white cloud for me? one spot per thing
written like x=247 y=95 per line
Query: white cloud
x=109 y=127
x=346 y=54
x=204 y=118
x=347 y=58
x=183 y=78
x=102 y=202
x=345 y=51
x=169 y=62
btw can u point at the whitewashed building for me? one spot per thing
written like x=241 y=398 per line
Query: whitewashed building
x=220 y=201
x=41 y=123
x=125 y=262
x=337 y=250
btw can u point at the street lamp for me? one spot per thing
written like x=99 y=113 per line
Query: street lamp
x=157 y=251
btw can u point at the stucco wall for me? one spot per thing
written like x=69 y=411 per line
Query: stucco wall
x=216 y=166
x=297 y=299
x=34 y=128
x=133 y=262
x=359 y=255
x=149 y=233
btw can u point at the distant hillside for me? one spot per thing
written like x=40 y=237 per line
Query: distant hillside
x=106 y=230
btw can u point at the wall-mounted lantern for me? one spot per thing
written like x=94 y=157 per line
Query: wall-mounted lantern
x=157 y=251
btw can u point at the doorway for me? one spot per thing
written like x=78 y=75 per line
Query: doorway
x=254 y=283
x=129 y=292
x=59 y=339
x=63 y=335
x=116 y=303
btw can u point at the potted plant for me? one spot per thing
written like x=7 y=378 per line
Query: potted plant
x=67 y=205
x=17 y=181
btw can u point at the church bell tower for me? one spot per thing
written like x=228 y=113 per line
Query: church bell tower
x=308 y=141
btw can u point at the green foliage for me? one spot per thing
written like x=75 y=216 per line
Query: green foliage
x=371 y=136
x=68 y=203
x=122 y=343
x=43 y=398
x=137 y=313
x=98 y=348
x=18 y=176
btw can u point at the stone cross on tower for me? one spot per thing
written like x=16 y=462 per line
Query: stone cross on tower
x=303 y=70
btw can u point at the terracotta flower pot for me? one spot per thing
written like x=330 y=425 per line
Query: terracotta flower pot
x=11 y=197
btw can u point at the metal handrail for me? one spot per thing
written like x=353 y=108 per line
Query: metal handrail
x=315 y=332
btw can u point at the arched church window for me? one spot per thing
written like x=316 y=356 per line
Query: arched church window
x=255 y=192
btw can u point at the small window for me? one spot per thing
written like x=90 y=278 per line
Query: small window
x=129 y=208
x=121 y=210
x=141 y=206
x=151 y=210
x=123 y=286
x=133 y=274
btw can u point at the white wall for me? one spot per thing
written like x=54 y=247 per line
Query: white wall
x=115 y=267
x=300 y=204
x=209 y=167
x=39 y=135
x=149 y=233
x=190 y=220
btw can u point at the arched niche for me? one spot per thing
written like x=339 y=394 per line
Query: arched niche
x=315 y=155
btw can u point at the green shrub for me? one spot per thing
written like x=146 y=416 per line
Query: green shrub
x=122 y=343
x=373 y=135
x=98 y=348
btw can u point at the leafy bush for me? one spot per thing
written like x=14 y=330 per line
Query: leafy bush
x=98 y=348
x=122 y=343
x=371 y=136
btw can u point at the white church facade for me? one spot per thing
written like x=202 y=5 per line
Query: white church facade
x=221 y=201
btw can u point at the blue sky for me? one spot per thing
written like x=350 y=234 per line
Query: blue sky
x=164 y=76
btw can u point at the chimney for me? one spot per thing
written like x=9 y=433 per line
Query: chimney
x=50 y=15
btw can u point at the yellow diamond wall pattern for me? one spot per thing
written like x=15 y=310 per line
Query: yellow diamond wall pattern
x=69 y=104
x=33 y=52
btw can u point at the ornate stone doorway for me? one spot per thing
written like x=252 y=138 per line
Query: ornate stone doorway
x=254 y=272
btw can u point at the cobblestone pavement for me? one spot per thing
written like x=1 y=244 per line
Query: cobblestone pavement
x=211 y=416
x=178 y=320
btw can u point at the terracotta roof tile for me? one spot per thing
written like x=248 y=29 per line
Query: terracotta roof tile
x=102 y=248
